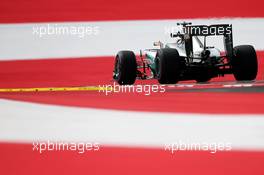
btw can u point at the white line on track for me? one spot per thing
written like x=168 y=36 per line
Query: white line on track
x=26 y=122
x=18 y=42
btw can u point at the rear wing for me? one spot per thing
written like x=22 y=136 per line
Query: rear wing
x=224 y=30
x=211 y=30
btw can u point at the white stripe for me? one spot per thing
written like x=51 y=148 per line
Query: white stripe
x=28 y=122
x=18 y=42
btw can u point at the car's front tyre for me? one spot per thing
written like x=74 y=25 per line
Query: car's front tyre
x=125 y=69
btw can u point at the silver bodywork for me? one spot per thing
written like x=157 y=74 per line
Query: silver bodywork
x=198 y=48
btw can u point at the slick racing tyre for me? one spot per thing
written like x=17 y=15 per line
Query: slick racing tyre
x=168 y=63
x=125 y=70
x=244 y=63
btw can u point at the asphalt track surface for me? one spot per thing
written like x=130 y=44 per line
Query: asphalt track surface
x=190 y=97
x=237 y=104
x=79 y=73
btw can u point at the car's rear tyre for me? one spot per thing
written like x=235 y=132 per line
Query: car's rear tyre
x=244 y=63
x=168 y=63
x=125 y=70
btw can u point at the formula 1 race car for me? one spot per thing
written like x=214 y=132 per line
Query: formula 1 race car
x=188 y=58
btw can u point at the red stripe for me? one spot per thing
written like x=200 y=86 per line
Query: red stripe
x=214 y=103
x=83 y=10
x=20 y=159
x=71 y=72
x=81 y=72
